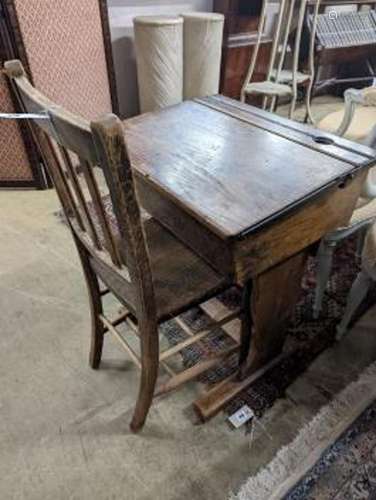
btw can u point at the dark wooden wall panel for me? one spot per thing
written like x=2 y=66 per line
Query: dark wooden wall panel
x=241 y=24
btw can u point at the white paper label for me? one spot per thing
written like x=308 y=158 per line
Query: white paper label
x=241 y=416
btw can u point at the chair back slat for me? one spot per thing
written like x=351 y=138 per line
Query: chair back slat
x=80 y=197
x=283 y=40
x=276 y=35
x=66 y=189
x=100 y=211
x=70 y=143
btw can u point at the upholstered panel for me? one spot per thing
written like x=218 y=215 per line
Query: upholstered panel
x=14 y=163
x=369 y=95
x=365 y=211
x=361 y=125
x=65 y=50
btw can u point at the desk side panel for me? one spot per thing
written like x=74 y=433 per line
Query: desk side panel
x=308 y=224
x=215 y=251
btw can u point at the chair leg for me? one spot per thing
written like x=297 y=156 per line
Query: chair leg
x=97 y=327
x=149 y=375
x=357 y=293
x=324 y=265
x=96 y=309
x=274 y=102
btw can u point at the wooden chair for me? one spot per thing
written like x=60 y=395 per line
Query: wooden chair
x=356 y=121
x=280 y=80
x=153 y=275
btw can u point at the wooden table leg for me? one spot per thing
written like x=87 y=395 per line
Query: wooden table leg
x=273 y=298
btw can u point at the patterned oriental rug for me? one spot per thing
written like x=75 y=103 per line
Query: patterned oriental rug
x=333 y=457
x=347 y=469
x=306 y=338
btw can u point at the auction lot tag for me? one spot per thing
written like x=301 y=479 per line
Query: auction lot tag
x=241 y=416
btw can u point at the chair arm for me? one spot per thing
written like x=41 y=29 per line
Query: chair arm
x=368 y=189
x=352 y=98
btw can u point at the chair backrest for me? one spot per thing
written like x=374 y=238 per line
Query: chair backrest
x=75 y=144
x=289 y=18
x=285 y=26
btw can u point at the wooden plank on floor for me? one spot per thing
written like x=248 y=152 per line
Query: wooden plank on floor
x=217 y=311
x=210 y=403
x=195 y=370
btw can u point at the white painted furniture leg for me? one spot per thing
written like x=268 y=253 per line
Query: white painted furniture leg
x=360 y=241
x=325 y=257
x=324 y=266
x=357 y=293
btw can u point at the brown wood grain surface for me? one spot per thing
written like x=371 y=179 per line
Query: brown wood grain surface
x=250 y=192
x=298 y=230
x=231 y=173
x=151 y=272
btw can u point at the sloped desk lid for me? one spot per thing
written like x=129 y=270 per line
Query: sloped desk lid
x=234 y=167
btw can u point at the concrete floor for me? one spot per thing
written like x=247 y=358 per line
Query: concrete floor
x=64 y=428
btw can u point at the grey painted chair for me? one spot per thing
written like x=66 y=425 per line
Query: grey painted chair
x=356 y=121
x=362 y=283
x=282 y=79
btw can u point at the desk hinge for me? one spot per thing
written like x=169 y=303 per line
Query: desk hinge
x=345 y=181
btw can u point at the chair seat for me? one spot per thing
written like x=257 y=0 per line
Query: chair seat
x=364 y=211
x=268 y=88
x=285 y=76
x=180 y=277
x=361 y=125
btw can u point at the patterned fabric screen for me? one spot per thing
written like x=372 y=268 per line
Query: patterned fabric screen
x=14 y=162
x=65 y=50
x=64 y=45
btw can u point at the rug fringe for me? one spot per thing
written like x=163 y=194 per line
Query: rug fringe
x=296 y=459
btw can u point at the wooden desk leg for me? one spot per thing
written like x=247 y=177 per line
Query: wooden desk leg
x=274 y=295
x=273 y=298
